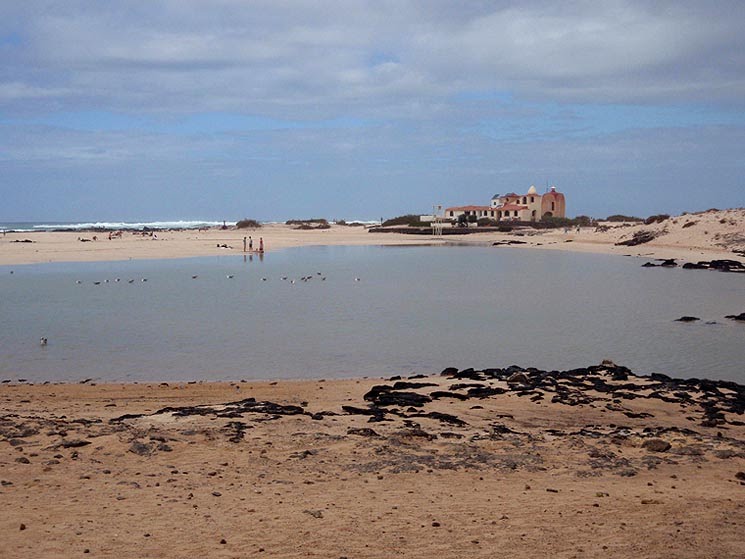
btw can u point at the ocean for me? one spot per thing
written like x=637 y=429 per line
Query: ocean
x=29 y=226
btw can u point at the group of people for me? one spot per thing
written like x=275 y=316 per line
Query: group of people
x=251 y=244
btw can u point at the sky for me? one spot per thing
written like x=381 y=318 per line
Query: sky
x=230 y=109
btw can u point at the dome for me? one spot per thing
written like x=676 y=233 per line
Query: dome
x=532 y=190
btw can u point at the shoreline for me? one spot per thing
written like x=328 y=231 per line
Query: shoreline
x=581 y=463
x=686 y=244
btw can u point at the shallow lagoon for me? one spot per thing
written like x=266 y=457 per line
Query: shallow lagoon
x=415 y=309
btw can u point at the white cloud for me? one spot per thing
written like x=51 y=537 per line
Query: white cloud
x=184 y=56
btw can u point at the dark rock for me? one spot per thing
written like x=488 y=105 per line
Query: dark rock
x=141 y=449
x=649 y=265
x=639 y=238
x=362 y=432
x=23 y=460
x=403 y=385
x=383 y=395
x=437 y=394
x=740 y=317
x=669 y=263
x=445 y=418
x=656 y=445
x=72 y=443
x=687 y=319
x=519 y=377
x=727 y=266
x=740 y=476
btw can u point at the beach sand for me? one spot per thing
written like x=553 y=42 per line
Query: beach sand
x=301 y=476
x=713 y=235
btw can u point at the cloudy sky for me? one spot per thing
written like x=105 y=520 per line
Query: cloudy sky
x=223 y=109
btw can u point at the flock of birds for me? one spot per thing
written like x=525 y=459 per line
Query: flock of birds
x=229 y=276
x=44 y=341
x=117 y=280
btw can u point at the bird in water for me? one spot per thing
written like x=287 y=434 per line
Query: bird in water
x=194 y=277
x=43 y=341
x=356 y=279
x=78 y=281
x=130 y=281
x=263 y=279
x=144 y=280
x=230 y=276
x=96 y=283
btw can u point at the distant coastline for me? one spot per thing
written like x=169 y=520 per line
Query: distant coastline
x=703 y=236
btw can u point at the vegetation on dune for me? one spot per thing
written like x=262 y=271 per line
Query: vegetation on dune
x=315 y=220
x=658 y=218
x=408 y=219
x=309 y=224
x=620 y=217
x=248 y=224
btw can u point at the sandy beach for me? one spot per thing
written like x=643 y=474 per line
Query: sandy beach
x=466 y=464
x=712 y=235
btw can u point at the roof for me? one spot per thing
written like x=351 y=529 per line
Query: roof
x=554 y=193
x=511 y=207
x=468 y=208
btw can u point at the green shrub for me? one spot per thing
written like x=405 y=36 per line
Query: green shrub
x=408 y=219
x=619 y=217
x=487 y=222
x=248 y=224
x=552 y=221
x=659 y=218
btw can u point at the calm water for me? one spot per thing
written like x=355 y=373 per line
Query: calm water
x=413 y=310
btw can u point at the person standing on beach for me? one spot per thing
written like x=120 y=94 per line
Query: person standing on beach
x=250 y=244
x=244 y=244
x=261 y=244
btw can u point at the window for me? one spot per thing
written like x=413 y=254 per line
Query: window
x=515 y=213
x=532 y=199
x=552 y=206
x=451 y=214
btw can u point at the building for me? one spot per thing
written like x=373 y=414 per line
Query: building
x=515 y=207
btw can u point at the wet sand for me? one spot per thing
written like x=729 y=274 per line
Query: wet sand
x=585 y=465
